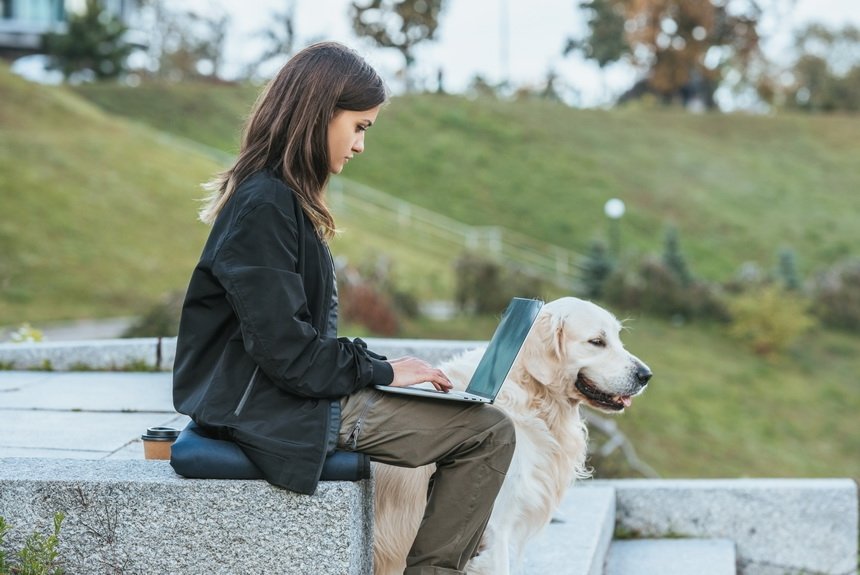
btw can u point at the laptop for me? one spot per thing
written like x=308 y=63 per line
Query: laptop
x=496 y=362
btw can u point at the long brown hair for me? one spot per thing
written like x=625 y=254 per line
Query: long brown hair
x=287 y=131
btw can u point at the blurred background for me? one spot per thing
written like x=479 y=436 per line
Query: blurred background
x=692 y=165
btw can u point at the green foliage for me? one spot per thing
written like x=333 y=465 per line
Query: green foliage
x=38 y=556
x=826 y=75
x=596 y=269
x=26 y=334
x=485 y=286
x=769 y=319
x=605 y=42
x=398 y=24
x=674 y=259
x=94 y=42
x=654 y=288
x=836 y=295
x=161 y=319
x=787 y=270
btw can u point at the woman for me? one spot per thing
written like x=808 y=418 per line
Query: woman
x=258 y=360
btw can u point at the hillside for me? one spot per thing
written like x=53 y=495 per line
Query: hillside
x=98 y=215
x=737 y=187
x=101 y=218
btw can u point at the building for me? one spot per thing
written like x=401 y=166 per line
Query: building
x=23 y=23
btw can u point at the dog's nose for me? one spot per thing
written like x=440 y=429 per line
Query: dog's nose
x=643 y=375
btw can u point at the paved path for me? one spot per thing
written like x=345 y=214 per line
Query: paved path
x=82 y=415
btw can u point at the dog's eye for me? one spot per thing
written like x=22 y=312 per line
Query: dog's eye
x=597 y=342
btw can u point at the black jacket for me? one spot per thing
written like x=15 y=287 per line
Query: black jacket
x=252 y=360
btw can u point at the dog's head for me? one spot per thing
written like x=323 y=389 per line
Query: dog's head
x=575 y=351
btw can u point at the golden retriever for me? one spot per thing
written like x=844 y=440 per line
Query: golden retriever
x=573 y=355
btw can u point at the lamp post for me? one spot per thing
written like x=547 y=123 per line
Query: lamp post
x=614 y=209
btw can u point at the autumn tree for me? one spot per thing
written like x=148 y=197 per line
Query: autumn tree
x=682 y=48
x=398 y=24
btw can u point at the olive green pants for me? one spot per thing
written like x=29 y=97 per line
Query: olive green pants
x=472 y=446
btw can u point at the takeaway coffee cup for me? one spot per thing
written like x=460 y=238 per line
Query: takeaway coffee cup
x=157 y=442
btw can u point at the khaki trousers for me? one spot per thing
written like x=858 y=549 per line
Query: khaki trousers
x=472 y=446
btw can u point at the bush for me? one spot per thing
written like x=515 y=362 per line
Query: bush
x=769 y=318
x=37 y=557
x=160 y=320
x=836 y=295
x=485 y=286
x=596 y=270
x=361 y=303
x=657 y=289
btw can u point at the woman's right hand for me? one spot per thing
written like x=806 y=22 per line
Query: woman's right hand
x=411 y=370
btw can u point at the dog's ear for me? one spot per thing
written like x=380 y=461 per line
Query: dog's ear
x=558 y=337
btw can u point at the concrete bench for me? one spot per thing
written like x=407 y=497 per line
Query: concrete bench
x=137 y=516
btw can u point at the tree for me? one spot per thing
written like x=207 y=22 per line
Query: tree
x=674 y=259
x=280 y=37
x=826 y=75
x=398 y=24
x=94 y=43
x=596 y=269
x=683 y=48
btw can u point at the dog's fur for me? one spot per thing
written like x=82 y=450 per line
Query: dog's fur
x=573 y=355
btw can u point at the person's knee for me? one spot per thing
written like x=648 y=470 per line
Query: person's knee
x=501 y=427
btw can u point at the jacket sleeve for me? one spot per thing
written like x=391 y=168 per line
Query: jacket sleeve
x=257 y=264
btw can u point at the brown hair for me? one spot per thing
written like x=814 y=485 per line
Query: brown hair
x=287 y=131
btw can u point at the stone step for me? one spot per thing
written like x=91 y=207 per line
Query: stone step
x=576 y=541
x=671 y=557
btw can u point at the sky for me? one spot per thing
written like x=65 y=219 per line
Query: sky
x=536 y=32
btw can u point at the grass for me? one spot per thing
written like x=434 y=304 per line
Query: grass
x=98 y=214
x=104 y=220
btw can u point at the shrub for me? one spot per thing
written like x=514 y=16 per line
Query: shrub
x=656 y=289
x=39 y=556
x=26 y=334
x=485 y=286
x=836 y=295
x=596 y=269
x=363 y=304
x=160 y=320
x=769 y=318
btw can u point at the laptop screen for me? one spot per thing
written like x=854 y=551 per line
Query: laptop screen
x=504 y=347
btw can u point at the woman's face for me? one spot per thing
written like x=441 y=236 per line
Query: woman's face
x=346 y=136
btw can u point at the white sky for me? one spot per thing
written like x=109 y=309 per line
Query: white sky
x=537 y=31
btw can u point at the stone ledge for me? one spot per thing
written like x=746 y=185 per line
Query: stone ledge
x=139 y=517
x=780 y=526
x=145 y=354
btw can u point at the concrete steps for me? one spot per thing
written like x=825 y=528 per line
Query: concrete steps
x=578 y=538
x=579 y=541
x=671 y=557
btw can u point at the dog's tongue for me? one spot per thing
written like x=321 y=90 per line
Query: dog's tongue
x=626 y=400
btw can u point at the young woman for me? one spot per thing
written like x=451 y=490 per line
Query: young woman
x=258 y=360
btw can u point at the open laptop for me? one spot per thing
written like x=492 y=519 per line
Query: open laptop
x=496 y=361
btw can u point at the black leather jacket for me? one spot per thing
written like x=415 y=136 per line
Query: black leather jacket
x=252 y=358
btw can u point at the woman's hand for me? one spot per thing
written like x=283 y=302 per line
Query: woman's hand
x=411 y=370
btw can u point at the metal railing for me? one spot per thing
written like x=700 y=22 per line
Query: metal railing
x=396 y=216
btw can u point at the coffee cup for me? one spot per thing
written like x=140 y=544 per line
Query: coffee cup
x=157 y=442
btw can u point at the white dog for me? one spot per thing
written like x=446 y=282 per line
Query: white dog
x=572 y=355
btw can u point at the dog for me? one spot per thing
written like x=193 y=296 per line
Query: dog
x=572 y=356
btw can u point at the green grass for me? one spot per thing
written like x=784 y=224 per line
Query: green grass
x=100 y=218
x=737 y=187
x=98 y=214
x=714 y=409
